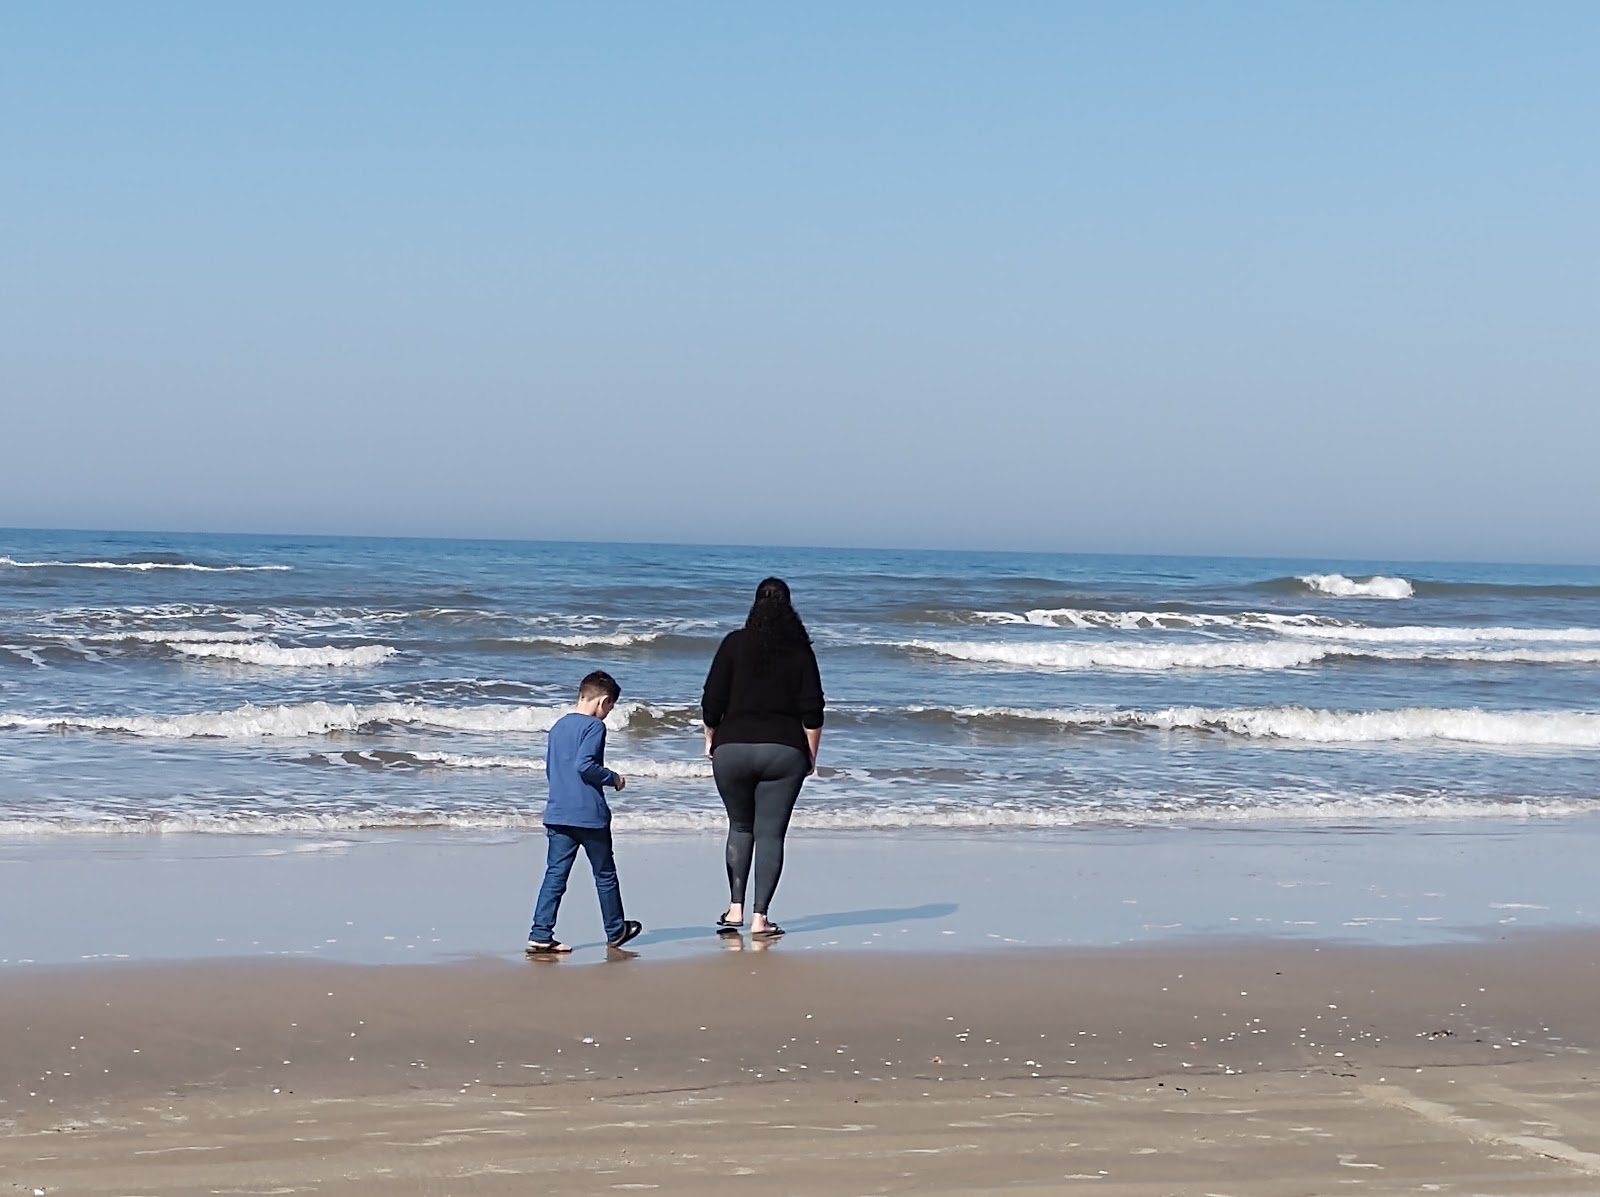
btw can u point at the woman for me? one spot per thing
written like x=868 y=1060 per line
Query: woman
x=763 y=714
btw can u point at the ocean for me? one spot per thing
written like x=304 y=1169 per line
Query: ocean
x=230 y=685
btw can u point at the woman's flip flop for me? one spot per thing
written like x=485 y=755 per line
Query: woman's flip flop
x=770 y=931
x=724 y=927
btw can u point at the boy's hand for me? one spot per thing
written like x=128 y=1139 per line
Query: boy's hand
x=621 y=781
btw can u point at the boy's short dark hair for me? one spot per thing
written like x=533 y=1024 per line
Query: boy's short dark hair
x=599 y=682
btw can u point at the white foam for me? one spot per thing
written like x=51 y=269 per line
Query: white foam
x=596 y=639
x=318 y=719
x=1503 y=656
x=175 y=636
x=1470 y=725
x=1377 y=586
x=279 y=657
x=142 y=565
x=1076 y=617
x=1247 y=807
x=1217 y=654
x=1140 y=621
x=1290 y=653
x=1429 y=634
x=661 y=770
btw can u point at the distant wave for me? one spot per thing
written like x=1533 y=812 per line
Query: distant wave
x=1470 y=725
x=1377 y=586
x=1088 y=619
x=142 y=565
x=1305 y=626
x=620 y=639
x=175 y=636
x=277 y=656
x=1142 y=657
x=1221 y=654
x=1430 y=634
x=321 y=718
x=1559 y=590
x=586 y=640
x=1263 y=806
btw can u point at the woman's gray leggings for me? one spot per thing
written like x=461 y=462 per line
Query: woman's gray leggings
x=759 y=784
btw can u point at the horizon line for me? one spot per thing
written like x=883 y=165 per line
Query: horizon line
x=676 y=544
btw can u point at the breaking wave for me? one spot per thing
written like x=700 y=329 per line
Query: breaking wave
x=175 y=636
x=592 y=639
x=1505 y=729
x=1377 y=586
x=278 y=657
x=1245 y=806
x=1139 y=621
x=1304 y=626
x=1442 y=635
x=1143 y=657
x=321 y=718
x=1222 y=654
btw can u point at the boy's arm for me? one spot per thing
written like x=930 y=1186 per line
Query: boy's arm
x=592 y=758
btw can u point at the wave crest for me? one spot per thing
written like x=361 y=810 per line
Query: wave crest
x=1377 y=586
x=1464 y=725
x=1139 y=657
x=301 y=720
x=278 y=657
x=1226 y=654
x=1264 y=806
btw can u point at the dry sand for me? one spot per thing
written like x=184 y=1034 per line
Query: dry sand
x=1240 y=1069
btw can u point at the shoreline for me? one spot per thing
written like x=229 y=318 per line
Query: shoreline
x=419 y=896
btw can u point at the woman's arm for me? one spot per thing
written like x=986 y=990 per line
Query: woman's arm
x=811 y=705
x=718 y=688
x=719 y=685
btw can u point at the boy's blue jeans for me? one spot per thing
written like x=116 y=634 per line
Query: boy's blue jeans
x=564 y=844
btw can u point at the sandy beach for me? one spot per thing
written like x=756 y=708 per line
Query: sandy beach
x=1224 y=1068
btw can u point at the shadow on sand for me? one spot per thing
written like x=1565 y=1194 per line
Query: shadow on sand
x=813 y=922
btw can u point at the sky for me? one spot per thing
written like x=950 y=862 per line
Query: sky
x=1243 y=278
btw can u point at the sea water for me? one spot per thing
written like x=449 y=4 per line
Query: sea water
x=246 y=684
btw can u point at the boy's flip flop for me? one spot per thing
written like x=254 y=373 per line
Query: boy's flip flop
x=630 y=930
x=546 y=949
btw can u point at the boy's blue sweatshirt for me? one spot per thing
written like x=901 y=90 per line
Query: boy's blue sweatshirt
x=575 y=768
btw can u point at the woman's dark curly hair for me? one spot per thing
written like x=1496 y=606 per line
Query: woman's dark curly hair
x=773 y=624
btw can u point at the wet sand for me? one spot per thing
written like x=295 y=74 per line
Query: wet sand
x=1231 y=1067
x=393 y=898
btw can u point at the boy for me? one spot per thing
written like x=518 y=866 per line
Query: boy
x=576 y=816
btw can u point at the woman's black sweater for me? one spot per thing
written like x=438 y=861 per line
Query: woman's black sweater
x=746 y=705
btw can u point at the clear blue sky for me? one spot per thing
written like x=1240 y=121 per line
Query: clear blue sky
x=1309 y=278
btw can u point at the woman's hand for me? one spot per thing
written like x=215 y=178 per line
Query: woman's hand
x=709 y=734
